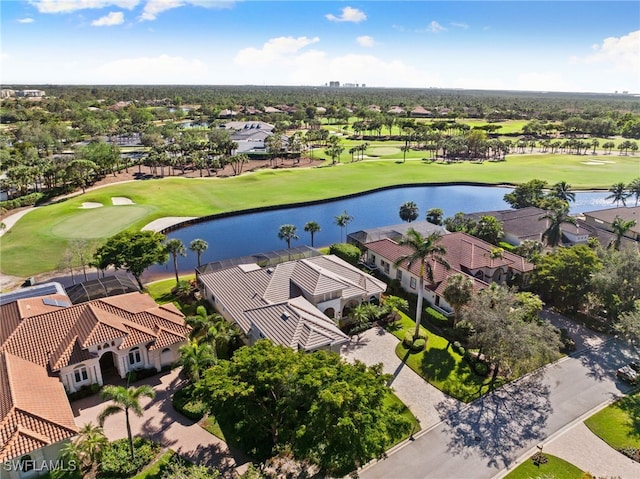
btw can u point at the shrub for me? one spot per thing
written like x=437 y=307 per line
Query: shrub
x=507 y=246
x=83 y=392
x=456 y=345
x=27 y=200
x=116 y=460
x=418 y=345
x=436 y=317
x=481 y=369
x=538 y=458
x=184 y=403
x=462 y=351
x=347 y=252
x=408 y=339
x=631 y=452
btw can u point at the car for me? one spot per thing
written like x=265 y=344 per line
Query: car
x=635 y=365
x=628 y=374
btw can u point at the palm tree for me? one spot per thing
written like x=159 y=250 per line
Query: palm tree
x=125 y=399
x=90 y=442
x=634 y=189
x=342 y=221
x=618 y=194
x=423 y=249
x=408 y=211
x=562 y=190
x=175 y=247
x=195 y=358
x=457 y=293
x=199 y=246
x=288 y=233
x=553 y=233
x=620 y=228
x=312 y=228
x=434 y=216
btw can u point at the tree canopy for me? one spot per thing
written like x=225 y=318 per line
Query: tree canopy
x=133 y=252
x=320 y=407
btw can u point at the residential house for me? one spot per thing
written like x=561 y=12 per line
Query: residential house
x=421 y=112
x=291 y=303
x=58 y=347
x=394 y=232
x=396 y=110
x=464 y=254
x=518 y=224
x=603 y=219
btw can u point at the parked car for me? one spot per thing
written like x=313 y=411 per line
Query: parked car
x=629 y=373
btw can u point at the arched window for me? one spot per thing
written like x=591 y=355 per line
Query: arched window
x=27 y=463
x=135 y=357
x=106 y=345
x=80 y=374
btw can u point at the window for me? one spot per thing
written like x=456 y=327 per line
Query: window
x=385 y=266
x=134 y=356
x=399 y=275
x=80 y=374
x=373 y=258
x=412 y=283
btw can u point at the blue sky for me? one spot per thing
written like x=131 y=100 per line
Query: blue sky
x=587 y=46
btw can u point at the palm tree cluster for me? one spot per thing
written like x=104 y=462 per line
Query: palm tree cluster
x=621 y=192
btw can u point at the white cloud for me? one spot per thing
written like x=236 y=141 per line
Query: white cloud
x=161 y=69
x=435 y=27
x=25 y=20
x=622 y=53
x=276 y=50
x=154 y=7
x=113 y=18
x=461 y=25
x=349 y=14
x=366 y=41
x=66 y=6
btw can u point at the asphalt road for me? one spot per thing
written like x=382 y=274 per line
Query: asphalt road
x=481 y=439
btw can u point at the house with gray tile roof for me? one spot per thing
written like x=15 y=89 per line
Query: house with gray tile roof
x=293 y=303
x=603 y=219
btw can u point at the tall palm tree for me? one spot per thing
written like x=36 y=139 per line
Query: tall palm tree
x=199 y=246
x=562 y=190
x=125 y=399
x=342 y=220
x=287 y=233
x=620 y=228
x=90 y=442
x=312 y=228
x=553 y=233
x=175 y=247
x=195 y=358
x=457 y=293
x=618 y=194
x=408 y=211
x=634 y=189
x=423 y=249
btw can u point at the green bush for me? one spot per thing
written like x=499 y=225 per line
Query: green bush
x=481 y=369
x=507 y=246
x=348 y=252
x=418 y=345
x=116 y=460
x=83 y=392
x=456 y=345
x=26 y=200
x=408 y=339
x=435 y=317
x=184 y=403
x=462 y=351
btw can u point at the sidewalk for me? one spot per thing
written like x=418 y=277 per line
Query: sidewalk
x=378 y=346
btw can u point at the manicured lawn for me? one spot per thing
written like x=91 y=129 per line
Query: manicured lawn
x=618 y=424
x=38 y=241
x=556 y=467
x=391 y=400
x=210 y=424
x=440 y=365
x=160 y=291
x=157 y=468
x=99 y=222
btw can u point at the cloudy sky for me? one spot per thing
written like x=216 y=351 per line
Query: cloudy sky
x=587 y=46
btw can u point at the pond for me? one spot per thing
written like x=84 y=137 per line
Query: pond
x=252 y=233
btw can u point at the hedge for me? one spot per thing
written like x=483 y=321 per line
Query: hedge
x=347 y=252
x=26 y=200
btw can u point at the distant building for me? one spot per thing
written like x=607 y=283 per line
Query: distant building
x=30 y=93
x=334 y=84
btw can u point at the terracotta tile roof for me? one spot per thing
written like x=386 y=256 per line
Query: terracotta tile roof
x=9 y=320
x=164 y=338
x=34 y=412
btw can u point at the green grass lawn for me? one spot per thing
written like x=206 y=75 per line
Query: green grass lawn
x=37 y=242
x=157 y=468
x=440 y=365
x=618 y=424
x=556 y=467
x=160 y=291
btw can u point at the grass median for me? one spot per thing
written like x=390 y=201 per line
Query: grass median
x=36 y=244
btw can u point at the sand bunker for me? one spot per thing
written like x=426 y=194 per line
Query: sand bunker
x=121 y=200
x=593 y=163
x=90 y=204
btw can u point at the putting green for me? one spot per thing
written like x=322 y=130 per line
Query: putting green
x=383 y=150
x=99 y=222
